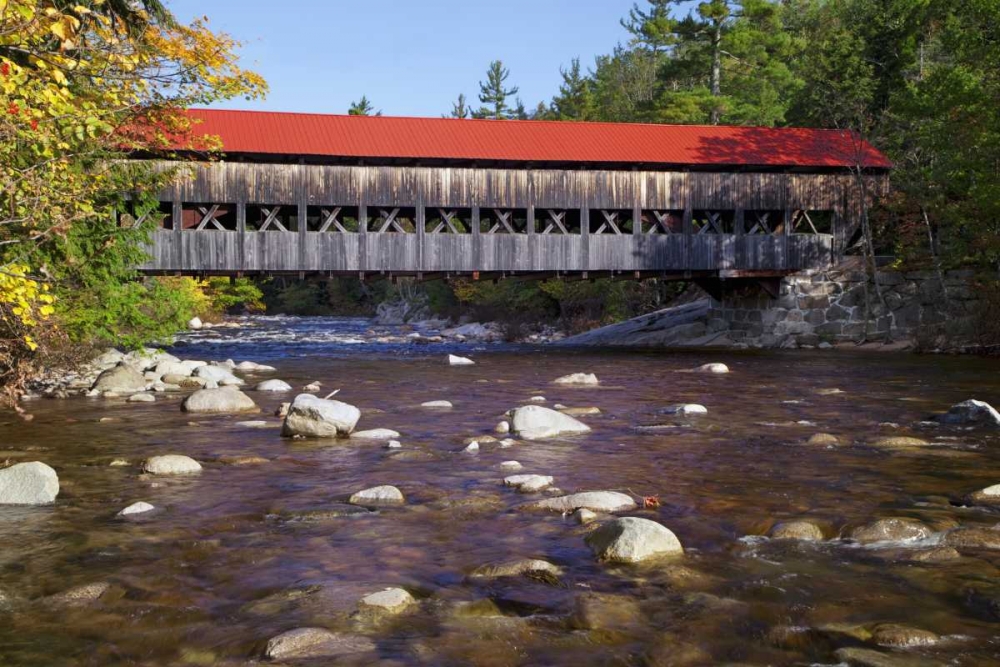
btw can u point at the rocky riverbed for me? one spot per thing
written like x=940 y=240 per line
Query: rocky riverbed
x=284 y=493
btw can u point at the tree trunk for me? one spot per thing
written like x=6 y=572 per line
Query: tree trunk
x=716 y=70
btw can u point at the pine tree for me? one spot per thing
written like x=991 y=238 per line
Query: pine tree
x=459 y=109
x=653 y=29
x=363 y=107
x=575 y=100
x=492 y=93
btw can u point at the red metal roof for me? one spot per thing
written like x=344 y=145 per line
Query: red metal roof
x=271 y=133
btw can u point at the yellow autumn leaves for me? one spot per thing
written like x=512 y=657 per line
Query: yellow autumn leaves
x=23 y=301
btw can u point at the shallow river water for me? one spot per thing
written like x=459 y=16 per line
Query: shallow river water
x=238 y=554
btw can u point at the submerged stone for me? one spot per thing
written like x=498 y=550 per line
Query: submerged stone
x=378 y=495
x=585 y=379
x=971 y=413
x=796 y=530
x=891 y=529
x=315 y=643
x=597 y=501
x=171 y=464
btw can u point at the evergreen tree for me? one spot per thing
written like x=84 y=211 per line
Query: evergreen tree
x=653 y=29
x=459 y=109
x=575 y=100
x=492 y=93
x=363 y=107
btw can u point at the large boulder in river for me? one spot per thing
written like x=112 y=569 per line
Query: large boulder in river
x=631 y=540
x=890 y=529
x=122 y=379
x=596 y=501
x=988 y=496
x=32 y=483
x=315 y=417
x=971 y=413
x=222 y=400
x=533 y=422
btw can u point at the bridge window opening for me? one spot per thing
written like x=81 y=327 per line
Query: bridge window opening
x=713 y=222
x=272 y=218
x=659 y=221
x=208 y=217
x=610 y=221
x=763 y=222
x=503 y=221
x=161 y=217
x=392 y=219
x=559 y=221
x=334 y=219
x=441 y=220
x=812 y=222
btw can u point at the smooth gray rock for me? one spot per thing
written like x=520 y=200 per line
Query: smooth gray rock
x=596 y=501
x=141 y=398
x=971 y=413
x=30 y=483
x=377 y=434
x=891 y=529
x=712 y=368
x=222 y=400
x=534 y=422
x=685 y=409
x=580 y=379
x=272 y=385
x=137 y=508
x=528 y=483
x=388 y=602
x=218 y=374
x=531 y=567
x=171 y=464
x=315 y=417
x=378 y=495
x=632 y=540
x=316 y=643
x=122 y=379
x=459 y=361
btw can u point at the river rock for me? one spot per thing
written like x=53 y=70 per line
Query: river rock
x=712 y=368
x=685 y=409
x=537 y=399
x=376 y=434
x=973 y=538
x=902 y=636
x=796 y=530
x=528 y=483
x=863 y=657
x=30 y=483
x=316 y=643
x=632 y=540
x=510 y=465
x=315 y=417
x=502 y=427
x=823 y=440
x=583 y=379
x=273 y=385
x=181 y=368
x=122 y=379
x=597 y=501
x=136 y=508
x=253 y=367
x=890 y=530
x=195 y=323
x=171 y=464
x=79 y=596
x=141 y=398
x=894 y=441
x=222 y=400
x=584 y=516
x=971 y=413
x=218 y=374
x=534 y=422
x=312 y=387
x=378 y=495
x=436 y=404
x=533 y=568
x=608 y=612
x=388 y=602
x=472 y=447
x=988 y=496
x=459 y=361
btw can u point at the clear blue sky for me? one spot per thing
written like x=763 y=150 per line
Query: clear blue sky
x=411 y=58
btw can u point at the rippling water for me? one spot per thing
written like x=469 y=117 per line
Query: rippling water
x=222 y=565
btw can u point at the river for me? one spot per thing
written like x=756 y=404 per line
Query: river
x=238 y=554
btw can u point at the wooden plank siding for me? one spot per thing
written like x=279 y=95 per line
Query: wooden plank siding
x=530 y=193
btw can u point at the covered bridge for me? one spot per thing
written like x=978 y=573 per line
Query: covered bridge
x=309 y=193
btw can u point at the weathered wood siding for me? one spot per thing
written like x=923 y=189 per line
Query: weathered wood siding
x=531 y=192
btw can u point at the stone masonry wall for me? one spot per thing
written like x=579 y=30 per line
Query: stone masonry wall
x=827 y=307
